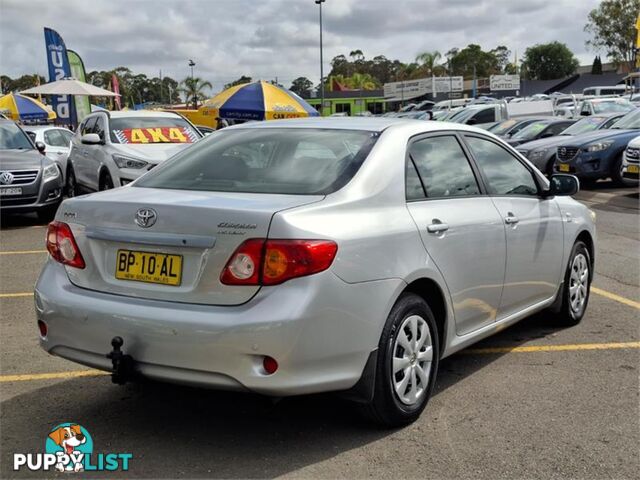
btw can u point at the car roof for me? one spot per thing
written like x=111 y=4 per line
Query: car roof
x=141 y=113
x=37 y=128
x=371 y=124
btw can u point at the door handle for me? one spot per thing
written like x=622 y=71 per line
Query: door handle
x=437 y=226
x=511 y=219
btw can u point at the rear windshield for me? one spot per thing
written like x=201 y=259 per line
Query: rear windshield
x=267 y=160
x=530 y=131
x=618 y=105
x=146 y=130
x=502 y=127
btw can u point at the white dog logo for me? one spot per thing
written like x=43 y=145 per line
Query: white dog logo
x=68 y=438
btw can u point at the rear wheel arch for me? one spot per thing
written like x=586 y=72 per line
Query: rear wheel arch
x=433 y=294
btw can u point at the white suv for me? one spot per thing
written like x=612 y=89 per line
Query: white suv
x=111 y=149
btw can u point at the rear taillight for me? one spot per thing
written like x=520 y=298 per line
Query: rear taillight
x=270 y=262
x=62 y=246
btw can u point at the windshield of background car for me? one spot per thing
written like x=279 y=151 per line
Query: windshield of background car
x=11 y=137
x=618 y=105
x=630 y=120
x=267 y=160
x=503 y=127
x=530 y=131
x=584 y=125
x=149 y=130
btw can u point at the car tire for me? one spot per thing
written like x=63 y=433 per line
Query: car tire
x=47 y=214
x=576 y=287
x=106 y=183
x=616 y=174
x=70 y=184
x=400 y=396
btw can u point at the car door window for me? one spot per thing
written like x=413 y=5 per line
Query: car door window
x=504 y=173
x=100 y=127
x=88 y=126
x=67 y=135
x=443 y=168
x=485 y=116
x=413 y=185
x=556 y=129
x=609 y=122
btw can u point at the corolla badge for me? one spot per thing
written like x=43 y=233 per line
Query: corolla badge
x=6 y=178
x=146 y=217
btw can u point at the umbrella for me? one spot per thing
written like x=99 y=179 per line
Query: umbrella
x=19 y=107
x=259 y=101
x=70 y=86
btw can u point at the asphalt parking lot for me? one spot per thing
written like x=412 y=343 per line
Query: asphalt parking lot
x=534 y=401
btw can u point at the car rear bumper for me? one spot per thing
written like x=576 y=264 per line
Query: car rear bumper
x=320 y=330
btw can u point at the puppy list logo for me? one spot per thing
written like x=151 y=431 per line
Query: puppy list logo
x=69 y=448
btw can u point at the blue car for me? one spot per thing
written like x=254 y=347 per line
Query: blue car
x=599 y=154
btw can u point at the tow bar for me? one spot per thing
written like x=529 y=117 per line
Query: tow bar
x=122 y=369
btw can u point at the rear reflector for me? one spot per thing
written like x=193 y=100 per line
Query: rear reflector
x=62 y=246
x=43 y=329
x=270 y=365
x=270 y=262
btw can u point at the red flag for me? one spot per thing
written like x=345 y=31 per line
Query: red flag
x=116 y=90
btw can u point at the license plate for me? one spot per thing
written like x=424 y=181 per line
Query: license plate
x=633 y=169
x=149 y=267
x=10 y=191
x=563 y=168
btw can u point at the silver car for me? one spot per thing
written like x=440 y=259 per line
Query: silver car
x=302 y=256
x=111 y=149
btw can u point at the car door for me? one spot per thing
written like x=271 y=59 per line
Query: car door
x=95 y=153
x=533 y=225
x=460 y=227
x=79 y=153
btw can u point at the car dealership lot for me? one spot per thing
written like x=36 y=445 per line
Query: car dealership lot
x=532 y=401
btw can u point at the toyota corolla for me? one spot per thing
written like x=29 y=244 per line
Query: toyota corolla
x=302 y=256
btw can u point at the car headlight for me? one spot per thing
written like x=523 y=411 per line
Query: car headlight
x=592 y=214
x=123 y=161
x=599 y=146
x=538 y=154
x=50 y=172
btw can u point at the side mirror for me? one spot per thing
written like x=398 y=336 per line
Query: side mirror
x=563 y=185
x=91 y=139
x=41 y=147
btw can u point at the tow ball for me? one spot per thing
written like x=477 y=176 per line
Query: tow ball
x=122 y=365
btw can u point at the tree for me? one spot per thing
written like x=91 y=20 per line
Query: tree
x=193 y=89
x=301 y=85
x=429 y=61
x=472 y=56
x=612 y=29
x=596 y=68
x=240 y=81
x=549 y=61
x=502 y=54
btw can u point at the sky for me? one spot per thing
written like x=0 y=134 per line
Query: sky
x=274 y=38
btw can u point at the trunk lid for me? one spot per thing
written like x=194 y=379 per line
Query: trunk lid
x=203 y=228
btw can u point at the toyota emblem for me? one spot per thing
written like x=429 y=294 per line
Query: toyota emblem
x=146 y=217
x=6 y=178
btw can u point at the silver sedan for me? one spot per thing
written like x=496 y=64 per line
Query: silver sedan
x=302 y=256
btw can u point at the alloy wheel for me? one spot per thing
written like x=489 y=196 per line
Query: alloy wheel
x=412 y=357
x=579 y=283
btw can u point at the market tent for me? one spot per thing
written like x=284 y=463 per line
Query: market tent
x=259 y=101
x=70 y=86
x=19 y=107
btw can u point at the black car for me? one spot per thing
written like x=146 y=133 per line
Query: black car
x=29 y=181
x=540 y=129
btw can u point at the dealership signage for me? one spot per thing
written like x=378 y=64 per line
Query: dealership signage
x=504 y=82
x=422 y=86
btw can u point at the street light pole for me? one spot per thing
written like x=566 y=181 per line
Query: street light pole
x=195 y=98
x=319 y=3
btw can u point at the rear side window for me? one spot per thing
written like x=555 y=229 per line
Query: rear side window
x=443 y=168
x=484 y=116
x=504 y=173
x=55 y=139
x=301 y=161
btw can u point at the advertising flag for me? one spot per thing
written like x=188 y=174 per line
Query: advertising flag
x=81 y=103
x=116 y=89
x=59 y=68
